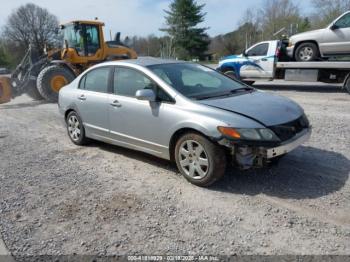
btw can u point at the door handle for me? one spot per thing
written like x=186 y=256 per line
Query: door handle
x=82 y=97
x=116 y=103
x=264 y=59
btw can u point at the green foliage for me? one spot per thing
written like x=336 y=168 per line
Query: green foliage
x=305 y=25
x=235 y=42
x=5 y=58
x=182 y=19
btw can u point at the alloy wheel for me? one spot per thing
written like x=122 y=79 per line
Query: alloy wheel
x=306 y=53
x=193 y=159
x=74 y=127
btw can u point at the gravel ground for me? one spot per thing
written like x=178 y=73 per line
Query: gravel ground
x=57 y=198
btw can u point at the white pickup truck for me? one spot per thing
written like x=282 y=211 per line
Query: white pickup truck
x=264 y=61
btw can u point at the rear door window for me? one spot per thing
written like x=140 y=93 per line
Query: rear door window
x=97 y=80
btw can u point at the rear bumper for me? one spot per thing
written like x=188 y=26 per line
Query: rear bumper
x=287 y=146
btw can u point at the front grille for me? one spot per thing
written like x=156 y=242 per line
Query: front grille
x=289 y=130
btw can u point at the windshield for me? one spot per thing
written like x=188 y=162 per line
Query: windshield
x=84 y=38
x=196 y=81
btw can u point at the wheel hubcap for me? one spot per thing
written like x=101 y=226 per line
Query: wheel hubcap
x=57 y=82
x=193 y=159
x=74 y=128
x=306 y=53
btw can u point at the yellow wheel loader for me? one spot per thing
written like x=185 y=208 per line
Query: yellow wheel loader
x=41 y=77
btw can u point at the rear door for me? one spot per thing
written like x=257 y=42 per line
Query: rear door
x=336 y=38
x=260 y=60
x=93 y=101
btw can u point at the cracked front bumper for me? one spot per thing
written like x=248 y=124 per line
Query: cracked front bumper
x=288 y=145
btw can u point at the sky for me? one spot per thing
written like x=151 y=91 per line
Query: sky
x=141 y=17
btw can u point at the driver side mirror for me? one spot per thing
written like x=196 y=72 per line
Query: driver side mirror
x=334 y=27
x=245 y=53
x=146 y=94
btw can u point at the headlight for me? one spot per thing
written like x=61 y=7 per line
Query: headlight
x=290 y=43
x=258 y=134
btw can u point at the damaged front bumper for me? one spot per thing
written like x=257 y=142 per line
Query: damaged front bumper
x=287 y=146
x=252 y=155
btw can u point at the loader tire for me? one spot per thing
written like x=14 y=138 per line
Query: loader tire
x=32 y=91
x=51 y=79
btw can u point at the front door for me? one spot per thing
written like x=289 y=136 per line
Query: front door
x=134 y=123
x=336 y=38
x=259 y=63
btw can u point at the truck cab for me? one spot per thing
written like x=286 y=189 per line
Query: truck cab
x=257 y=62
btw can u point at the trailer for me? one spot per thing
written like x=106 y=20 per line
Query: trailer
x=266 y=61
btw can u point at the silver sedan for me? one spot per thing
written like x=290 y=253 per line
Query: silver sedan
x=183 y=112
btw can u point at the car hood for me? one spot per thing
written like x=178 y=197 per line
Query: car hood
x=262 y=107
x=307 y=34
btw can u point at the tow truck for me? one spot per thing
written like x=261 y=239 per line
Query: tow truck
x=267 y=60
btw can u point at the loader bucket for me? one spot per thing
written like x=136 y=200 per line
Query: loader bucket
x=5 y=90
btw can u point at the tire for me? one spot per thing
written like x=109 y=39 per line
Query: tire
x=51 y=79
x=306 y=52
x=231 y=74
x=32 y=91
x=347 y=84
x=75 y=129
x=202 y=165
x=249 y=83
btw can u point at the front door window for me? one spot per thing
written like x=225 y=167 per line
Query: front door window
x=343 y=22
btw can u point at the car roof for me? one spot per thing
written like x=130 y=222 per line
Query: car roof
x=149 y=61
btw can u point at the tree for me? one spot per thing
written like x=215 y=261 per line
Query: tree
x=4 y=57
x=31 y=24
x=182 y=22
x=278 y=14
x=327 y=11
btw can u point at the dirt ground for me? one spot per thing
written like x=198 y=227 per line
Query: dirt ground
x=57 y=198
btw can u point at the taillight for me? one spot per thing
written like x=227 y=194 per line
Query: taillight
x=278 y=52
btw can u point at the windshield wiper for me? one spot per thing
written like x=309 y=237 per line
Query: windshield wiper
x=223 y=94
x=246 y=88
x=202 y=97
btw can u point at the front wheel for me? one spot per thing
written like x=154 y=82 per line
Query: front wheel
x=231 y=74
x=199 y=160
x=306 y=52
x=249 y=83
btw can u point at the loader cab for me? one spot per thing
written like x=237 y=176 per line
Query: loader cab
x=83 y=41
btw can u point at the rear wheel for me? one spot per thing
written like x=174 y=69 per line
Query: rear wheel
x=199 y=160
x=347 y=84
x=306 y=52
x=51 y=79
x=32 y=91
x=75 y=129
